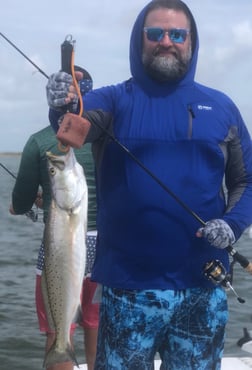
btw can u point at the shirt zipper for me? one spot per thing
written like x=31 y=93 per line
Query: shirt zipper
x=191 y=117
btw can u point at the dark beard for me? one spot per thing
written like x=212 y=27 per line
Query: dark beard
x=163 y=69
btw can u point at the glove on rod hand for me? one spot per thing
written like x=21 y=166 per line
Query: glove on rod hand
x=60 y=90
x=218 y=233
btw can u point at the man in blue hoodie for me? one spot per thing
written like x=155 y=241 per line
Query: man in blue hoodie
x=151 y=252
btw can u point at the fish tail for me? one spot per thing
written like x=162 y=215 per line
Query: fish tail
x=54 y=356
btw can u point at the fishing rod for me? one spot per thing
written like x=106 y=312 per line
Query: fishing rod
x=6 y=169
x=25 y=56
x=30 y=214
x=237 y=257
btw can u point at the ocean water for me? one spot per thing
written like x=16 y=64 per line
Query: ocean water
x=21 y=343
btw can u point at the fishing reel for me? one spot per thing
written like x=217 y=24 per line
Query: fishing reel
x=217 y=274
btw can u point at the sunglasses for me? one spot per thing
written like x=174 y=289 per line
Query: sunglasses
x=176 y=35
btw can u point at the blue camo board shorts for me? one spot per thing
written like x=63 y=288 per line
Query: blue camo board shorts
x=185 y=327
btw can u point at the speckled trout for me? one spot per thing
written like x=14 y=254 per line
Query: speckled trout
x=65 y=251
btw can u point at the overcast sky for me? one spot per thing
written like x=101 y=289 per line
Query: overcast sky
x=102 y=30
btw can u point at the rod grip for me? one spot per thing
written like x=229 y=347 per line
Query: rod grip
x=66 y=56
x=243 y=261
x=66 y=62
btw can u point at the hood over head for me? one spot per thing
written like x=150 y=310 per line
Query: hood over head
x=136 y=45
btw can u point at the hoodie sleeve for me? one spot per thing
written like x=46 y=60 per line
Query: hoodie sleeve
x=238 y=178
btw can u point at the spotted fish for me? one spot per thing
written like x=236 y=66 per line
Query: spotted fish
x=65 y=251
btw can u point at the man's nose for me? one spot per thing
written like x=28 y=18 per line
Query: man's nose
x=166 y=41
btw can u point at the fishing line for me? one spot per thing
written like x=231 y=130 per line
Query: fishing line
x=237 y=257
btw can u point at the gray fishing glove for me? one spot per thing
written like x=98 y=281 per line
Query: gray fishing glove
x=218 y=233
x=57 y=91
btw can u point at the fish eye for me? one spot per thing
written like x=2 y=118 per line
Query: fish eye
x=52 y=171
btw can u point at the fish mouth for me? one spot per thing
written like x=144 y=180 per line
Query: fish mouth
x=51 y=156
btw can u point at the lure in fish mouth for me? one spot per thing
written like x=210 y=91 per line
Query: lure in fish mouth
x=65 y=252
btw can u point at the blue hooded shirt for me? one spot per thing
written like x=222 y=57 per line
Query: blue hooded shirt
x=193 y=139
